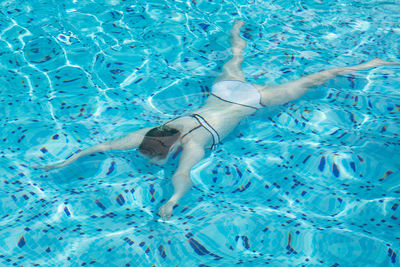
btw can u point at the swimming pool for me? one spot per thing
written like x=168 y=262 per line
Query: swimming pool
x=313 y=182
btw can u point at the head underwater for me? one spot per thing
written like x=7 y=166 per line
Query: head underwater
x=158 y=141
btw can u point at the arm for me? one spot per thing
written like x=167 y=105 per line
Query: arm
x=129 y=141
x=191 y=155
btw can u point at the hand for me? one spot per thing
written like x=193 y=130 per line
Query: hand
x=165 y=211
x=46 y=167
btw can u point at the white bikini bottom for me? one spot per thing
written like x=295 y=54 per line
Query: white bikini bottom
x=237 y=92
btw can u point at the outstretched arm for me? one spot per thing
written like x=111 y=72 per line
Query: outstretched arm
x=129 y=141
x=191 y=155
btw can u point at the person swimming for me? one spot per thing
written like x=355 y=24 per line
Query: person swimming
x=231 y=100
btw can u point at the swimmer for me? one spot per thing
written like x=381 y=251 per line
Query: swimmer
x=231 y=100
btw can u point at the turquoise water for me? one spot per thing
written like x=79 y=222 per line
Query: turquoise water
x=313 y=182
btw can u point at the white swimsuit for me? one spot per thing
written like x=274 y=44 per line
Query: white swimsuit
x=237 y=92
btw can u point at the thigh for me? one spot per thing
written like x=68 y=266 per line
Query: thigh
x=273 y=95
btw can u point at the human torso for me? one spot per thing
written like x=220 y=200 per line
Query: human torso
x=222 y=116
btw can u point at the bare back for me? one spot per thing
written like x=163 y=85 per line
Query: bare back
x=223 y=117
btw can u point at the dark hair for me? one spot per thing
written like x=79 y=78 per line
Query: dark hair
x=158 y=141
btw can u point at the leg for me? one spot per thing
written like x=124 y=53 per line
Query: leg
x=281 y=94
x=232 y=70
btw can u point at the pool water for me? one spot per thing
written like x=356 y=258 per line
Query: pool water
x=314 y=182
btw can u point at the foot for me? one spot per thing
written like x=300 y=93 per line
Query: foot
x=376 y=62
x=239 y=23
x=379 y=62
x=236 y=27
x=165 y=211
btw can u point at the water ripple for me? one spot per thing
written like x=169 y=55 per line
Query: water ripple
x=313 y=182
